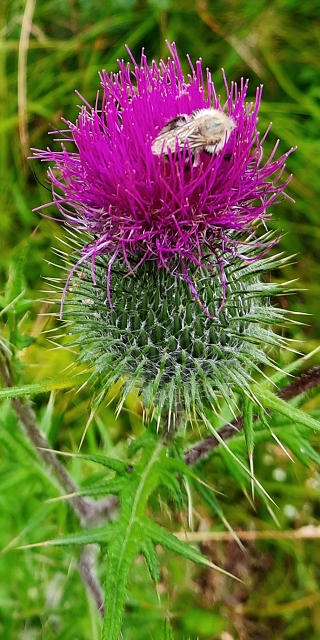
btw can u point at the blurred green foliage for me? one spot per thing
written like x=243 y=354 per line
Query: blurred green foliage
x=48 y=49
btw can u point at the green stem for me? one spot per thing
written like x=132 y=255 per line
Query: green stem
x=124 y=547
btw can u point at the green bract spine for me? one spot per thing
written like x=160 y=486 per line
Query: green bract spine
x=181 y=353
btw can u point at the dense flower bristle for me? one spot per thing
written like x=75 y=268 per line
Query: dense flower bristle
x=139 y=207
x=158 y=340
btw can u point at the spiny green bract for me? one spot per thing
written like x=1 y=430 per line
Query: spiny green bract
x=158 y=339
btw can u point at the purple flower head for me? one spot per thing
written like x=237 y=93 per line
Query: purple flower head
x=179 y=205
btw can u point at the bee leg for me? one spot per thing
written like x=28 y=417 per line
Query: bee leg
x=196 y=159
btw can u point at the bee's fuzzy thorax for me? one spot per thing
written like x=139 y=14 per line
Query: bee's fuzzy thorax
x=216 y=113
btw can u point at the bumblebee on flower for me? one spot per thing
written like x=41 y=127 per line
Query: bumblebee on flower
x=204 y=130
x=116 y=188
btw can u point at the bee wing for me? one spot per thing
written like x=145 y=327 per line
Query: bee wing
x=164 y=141
x=200 y=141
x=169 y=136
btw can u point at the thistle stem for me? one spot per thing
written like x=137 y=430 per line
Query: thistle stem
x=87 y=570
x=305 y=382
x=124 y=547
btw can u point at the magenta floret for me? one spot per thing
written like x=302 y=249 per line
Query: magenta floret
x=141 y=206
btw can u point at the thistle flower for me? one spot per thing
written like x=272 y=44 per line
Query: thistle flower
x=169 y=295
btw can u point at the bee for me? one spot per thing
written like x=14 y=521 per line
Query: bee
x=204 y=129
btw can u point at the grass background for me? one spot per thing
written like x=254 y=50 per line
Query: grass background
x=49 y=48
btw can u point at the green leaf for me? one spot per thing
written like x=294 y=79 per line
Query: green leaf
x=100 y=535
x=179 y=466
x=23 y=342
x=144 y=441
x=170 y=482
x=241 y=466
x=166 y=539
x=296 y=441
x=152 y=560
x=43 y=387
x=236 y=471
x=208 y=496
x=16 y=282
x=111 y=463
x=121 y=553
x=266 y=422
x=273 y=402
x=111 y=487
x=249 y=434
x=130 y=534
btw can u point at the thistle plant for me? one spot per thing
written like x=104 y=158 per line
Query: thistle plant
x=166 y=291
